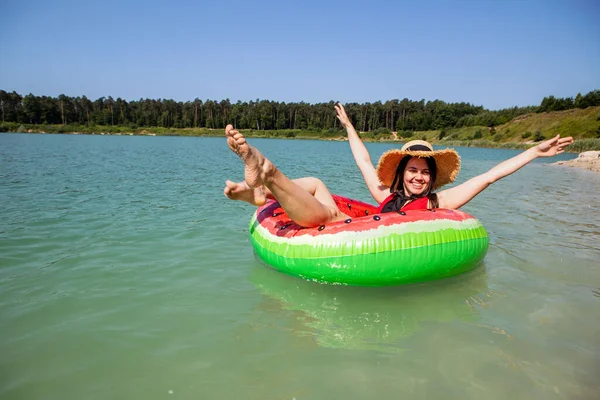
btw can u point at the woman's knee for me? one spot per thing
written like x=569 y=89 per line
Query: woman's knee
x=310 y=184
x=316 y=183
x=314 y=180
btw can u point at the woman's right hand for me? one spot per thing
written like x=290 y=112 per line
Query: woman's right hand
x=554 y=146
x=342 y=116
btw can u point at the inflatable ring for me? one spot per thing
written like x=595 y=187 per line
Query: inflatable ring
x=370 y=249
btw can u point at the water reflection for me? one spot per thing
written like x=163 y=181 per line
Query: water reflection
x=372 y=318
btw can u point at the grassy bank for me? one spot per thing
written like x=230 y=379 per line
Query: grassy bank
x=524 y=131
x=579 y=123
x=520 y=133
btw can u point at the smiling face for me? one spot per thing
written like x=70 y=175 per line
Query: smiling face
x=417 y=177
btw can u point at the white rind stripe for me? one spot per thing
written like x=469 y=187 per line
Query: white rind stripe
x=380 y=231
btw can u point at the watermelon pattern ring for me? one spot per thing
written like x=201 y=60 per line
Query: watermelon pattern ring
x=370 y=249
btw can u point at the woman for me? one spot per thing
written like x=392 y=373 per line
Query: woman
x=404 y=179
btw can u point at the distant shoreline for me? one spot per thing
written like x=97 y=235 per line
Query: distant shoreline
x=521 y=132
x=477 y=143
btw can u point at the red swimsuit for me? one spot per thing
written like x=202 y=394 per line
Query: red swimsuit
x=418 y=204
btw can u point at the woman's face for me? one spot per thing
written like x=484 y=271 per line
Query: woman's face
x=416 y=176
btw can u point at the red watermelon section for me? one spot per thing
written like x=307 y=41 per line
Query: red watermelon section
x=362 y=216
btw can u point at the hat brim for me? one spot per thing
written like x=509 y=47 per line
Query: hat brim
x=446 y=160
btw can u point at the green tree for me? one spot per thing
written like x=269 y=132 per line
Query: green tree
x=32 y=109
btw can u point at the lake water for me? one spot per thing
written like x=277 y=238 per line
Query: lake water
x=125 y=273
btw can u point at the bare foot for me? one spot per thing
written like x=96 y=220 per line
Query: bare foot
x=252 y=158
x=241 y=191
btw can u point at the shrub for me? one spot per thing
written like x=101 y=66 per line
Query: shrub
x=538 y=137
x=366 y=135
x=5 y=128
x=442 y=134
x=478 y=134
x=424 y=138
x=526 y=135
x=331 y=132
x=584 y=145
x=382 y=131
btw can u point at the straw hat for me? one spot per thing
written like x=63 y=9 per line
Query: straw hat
x=446 y=160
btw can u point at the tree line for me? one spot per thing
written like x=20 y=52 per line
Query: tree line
x=398 y=115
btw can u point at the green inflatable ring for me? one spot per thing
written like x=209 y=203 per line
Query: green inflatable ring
x=370 y=249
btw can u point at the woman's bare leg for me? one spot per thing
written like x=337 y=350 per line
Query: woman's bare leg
x=301 y=205
x=241 y=191
x=257 y=196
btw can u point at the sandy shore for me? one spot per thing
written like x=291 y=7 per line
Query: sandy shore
x=589 y=160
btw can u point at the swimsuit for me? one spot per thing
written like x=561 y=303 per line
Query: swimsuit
x=390 y=204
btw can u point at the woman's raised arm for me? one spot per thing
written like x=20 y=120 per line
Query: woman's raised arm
x=460 y=195
x=362 y=157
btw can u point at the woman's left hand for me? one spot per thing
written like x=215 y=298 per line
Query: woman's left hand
x=341 y=115
x=554 y=146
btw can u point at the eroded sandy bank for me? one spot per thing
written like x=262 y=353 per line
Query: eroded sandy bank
x=589 y=160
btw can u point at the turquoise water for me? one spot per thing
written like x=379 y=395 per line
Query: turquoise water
x=125 y=273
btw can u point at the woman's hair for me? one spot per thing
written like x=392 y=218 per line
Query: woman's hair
x=398 y=182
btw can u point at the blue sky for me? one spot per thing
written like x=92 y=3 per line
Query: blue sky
x=492 y=53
